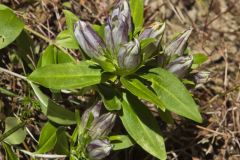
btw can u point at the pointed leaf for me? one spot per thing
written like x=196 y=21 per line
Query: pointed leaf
x=51 y=55
x=142 y=127
x=70 y=19
x=47 y=138
x=173 y=93
x=67 y=76
x=66 y=39
x=137 y=88
x=62 y=146
x=137 y=8
x=121 y=142
x=110 y=97
x=60 y=115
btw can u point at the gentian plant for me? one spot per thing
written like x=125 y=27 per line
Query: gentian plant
x=125 y=67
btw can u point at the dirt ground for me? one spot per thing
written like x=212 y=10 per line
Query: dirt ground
x=216 y=34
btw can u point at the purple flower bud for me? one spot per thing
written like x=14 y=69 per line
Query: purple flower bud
x=102 y=125
x=179 y=44
x=99 y=149
x=118 y=26
x=88 y=40
x=153 y=31
x=201 y=77
x=156 y=31
x=129 y=56
x=122 y=10
x=180 y=66
x=95 y=110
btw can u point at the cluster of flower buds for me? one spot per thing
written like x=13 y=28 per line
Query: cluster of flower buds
x=99 y=149
x=181 y=65
x=118 y=26
x=100 y=127
x=126 y=54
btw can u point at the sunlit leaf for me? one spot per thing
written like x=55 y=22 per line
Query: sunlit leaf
x=137 y=7
x=142 y=127
x=66 y=39
x=48 y=138
x=66 y=76
x=136 y=87
x=121 y=142
x=173 y=93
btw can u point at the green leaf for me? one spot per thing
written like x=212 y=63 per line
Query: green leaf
x=51 y=55
x=110 y=96
x=137 y=88
x=99 y=30
x=121 y=142
x=41 y=97
x=70 y=19
x=165 y=116
x=66 y=39
x=10 y=26
x=64 y=58
x=54 y=111
x=60 y=115
x=18 y=135
x=142 y=127
x=67 y=76
x=173 y=93
x=198 y=59
x=137 y=8
x=48 y=56
x=62 y=146
x=10 y=155
x=48 y=138
x=145 y=42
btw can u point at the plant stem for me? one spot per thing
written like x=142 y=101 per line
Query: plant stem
x=45 y=38
x=13 y=73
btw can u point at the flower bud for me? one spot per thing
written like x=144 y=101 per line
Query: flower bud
x=156 y=31
x=179 y=44
x=201 y=77
x=88 y=40
x=122 y=11
x=129 y=56
x=153 y=31
x=102 y=125
x=99 y=149
x=180 y=66
x=118 y=25
x=95 y=110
